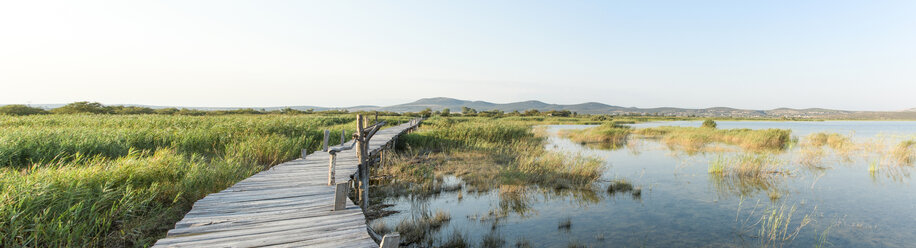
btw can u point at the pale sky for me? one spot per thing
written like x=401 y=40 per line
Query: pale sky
x=857 y=55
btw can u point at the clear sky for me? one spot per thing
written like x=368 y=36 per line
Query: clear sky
x=858 y=55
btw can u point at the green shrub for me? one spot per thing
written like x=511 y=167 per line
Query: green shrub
x=709 y=123
x=17 y=109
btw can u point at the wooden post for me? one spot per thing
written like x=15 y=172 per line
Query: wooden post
x=304 y=152
x=332 y=164
x=360 y=154
x=343 y=133
x=340 y=196
x=327 y=135
x=391 y=240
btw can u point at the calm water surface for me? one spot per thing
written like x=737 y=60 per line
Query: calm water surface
x=682 y=205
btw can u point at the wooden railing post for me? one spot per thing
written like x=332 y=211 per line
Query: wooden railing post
x=332 y=164
x=343 y=134
x=340 y=196
x=361 y=155
x=327 y=135
x=391 y=240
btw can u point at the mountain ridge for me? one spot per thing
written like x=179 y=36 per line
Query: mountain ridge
x=455 y=106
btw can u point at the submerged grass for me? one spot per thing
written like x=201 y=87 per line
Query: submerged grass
x=746 y=165
x=905 y=152
x=841 y=144
x=776 y=225
x=746 y=173
x=415 y=229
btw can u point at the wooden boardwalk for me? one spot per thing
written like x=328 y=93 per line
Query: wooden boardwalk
x=289 y=205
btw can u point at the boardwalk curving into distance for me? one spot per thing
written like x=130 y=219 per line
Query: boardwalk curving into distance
x=288 y=205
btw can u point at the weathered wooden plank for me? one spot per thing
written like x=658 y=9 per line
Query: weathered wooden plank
x=288 y=205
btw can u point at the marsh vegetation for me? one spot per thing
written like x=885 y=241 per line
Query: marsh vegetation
x=118 y=180
x=672 y=186
x=123 y=180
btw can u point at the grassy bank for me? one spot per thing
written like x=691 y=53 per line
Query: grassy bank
x=117 y=181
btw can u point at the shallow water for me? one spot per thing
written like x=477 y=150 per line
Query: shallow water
x=682 y=205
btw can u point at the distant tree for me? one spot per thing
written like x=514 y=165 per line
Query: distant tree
x=426 y=112
x=244 y=111
x=602 y=118
x=194 y=112
x=81 y=108
x=468 y=111
x=561 y=113
x=18 y=109
x=491 y=113
x=166 y=111
x=532 y=112
x=289 y=111
x=709 y=123
x=129 y=110
x=445 y=112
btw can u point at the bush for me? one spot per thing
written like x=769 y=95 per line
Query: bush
x=18 y=109
x=709 y=123
x=81 y=108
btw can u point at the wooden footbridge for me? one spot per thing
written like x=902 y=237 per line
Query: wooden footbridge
x=298 y=203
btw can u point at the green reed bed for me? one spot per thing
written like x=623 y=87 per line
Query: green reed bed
x=128 y=201
x=116 y=181
x=49 y=139
x=610 y=133
x=483 y=152
x=695 y=138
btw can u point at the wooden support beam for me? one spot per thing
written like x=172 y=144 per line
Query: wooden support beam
x=391 y=240
x=340 y=196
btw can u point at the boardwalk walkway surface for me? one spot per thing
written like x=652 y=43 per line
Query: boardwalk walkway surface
x=289 y=205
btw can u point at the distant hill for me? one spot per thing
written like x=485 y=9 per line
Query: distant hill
x=455 y=105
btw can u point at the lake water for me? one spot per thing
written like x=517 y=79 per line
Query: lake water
x=682 y=205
